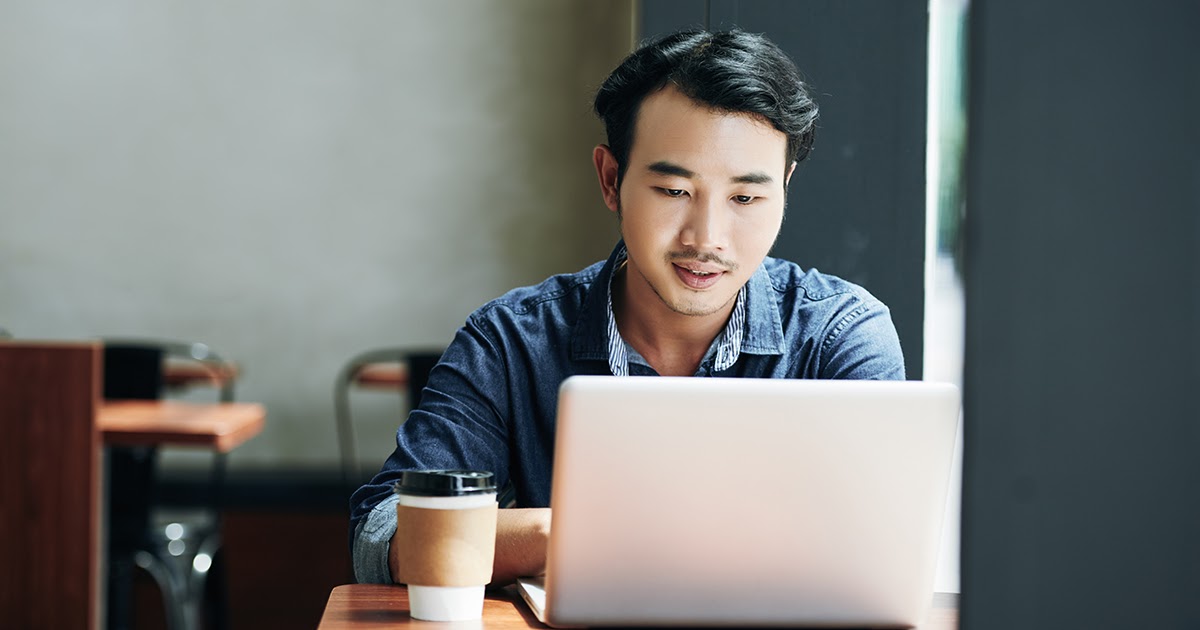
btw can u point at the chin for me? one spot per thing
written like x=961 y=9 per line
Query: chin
x=697 y=308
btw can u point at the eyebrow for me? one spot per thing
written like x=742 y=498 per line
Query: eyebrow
x=753 y=178
x=666 y=168
x=663 y=167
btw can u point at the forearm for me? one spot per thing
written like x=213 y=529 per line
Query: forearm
x=521 y=537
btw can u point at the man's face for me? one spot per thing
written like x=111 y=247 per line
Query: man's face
x=700 y=204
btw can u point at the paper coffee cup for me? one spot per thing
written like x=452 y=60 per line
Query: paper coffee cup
x=447 y=521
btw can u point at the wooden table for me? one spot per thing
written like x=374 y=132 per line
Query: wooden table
x=363 y=606
x=219 y=426
x=133 y=430
x=383 y=606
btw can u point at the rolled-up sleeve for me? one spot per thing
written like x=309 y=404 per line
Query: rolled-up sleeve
x=372 y=542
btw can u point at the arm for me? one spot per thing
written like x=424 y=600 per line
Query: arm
x=863 y=345
x=462 y=423
x=521 y=536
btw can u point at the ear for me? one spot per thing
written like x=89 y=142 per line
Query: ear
x=606 y=170
x=788 y=178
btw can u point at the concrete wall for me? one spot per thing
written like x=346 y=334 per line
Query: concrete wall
x=295 y=182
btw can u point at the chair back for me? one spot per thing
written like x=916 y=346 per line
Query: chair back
x=133 y=371
x=417 y=366
x=147 y=369
x=49 y=485
x=420 y=364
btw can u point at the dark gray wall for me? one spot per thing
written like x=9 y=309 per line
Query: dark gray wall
x=1081 y=499
x=856 y=208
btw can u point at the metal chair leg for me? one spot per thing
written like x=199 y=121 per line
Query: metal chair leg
x=171 y=586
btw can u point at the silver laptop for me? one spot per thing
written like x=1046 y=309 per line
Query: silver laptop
x=708 y=501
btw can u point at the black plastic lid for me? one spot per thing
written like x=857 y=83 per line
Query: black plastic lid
x=445 y=483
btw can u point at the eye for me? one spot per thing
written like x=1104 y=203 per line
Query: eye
x=745 y=200
x=673 y=192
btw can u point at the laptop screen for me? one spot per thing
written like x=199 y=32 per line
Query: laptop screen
x=687 y=500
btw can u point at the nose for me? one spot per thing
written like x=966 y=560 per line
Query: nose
x=706 y=227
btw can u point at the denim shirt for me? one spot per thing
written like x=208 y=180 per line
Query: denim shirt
x=490 y=403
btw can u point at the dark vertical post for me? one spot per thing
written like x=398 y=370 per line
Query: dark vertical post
x=1080 y=502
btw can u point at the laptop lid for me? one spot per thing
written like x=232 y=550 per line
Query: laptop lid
x=689 y=501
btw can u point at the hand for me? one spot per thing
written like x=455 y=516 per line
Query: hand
x=521 y=538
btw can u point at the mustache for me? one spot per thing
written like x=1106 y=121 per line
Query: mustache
x=704 y=257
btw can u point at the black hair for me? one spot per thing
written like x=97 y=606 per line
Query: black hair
x=731 y=71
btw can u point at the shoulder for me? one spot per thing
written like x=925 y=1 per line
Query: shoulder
x=790 y=281
x=561 y=291
x=822 y=305
x=849 y=328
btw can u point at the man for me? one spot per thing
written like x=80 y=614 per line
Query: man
x=704 y=133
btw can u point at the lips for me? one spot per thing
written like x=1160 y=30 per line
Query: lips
x=698 y=276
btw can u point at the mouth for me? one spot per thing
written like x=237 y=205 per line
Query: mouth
x=698 y=276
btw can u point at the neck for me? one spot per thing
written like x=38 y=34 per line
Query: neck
x=672 y=343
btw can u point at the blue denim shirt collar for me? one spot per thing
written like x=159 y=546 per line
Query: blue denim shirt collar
x=763 y=327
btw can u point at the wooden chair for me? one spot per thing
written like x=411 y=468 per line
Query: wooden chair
x=403 y=370
x=400 y=369
x=165 y=366
x=178 y=551
x=49 y=485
